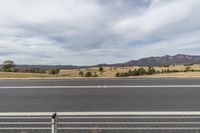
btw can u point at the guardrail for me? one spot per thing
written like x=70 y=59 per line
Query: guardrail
x=100 y=122
x=25 y=122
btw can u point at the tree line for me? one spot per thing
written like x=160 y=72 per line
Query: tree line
x=137 y=72
x=9 y=66
x=150 y=71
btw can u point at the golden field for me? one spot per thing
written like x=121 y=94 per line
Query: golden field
x=111 y=71
x=174 y=75
x=107 y=72
x=13 y=75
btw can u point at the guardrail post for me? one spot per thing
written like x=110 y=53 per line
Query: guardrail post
x=54 y=123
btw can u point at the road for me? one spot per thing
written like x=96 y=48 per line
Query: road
x=170 y=94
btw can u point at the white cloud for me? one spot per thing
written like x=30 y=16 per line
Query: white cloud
x=158 y=16
x=96 y=31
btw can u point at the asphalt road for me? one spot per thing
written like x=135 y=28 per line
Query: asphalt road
x=46 y=96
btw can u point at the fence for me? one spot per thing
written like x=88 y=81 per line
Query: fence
x=95 y=122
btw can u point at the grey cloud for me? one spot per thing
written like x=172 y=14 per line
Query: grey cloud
x=95 y=31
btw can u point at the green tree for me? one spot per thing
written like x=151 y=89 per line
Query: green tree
x=81 y=73
x=117 y=74
x=151 y=71
x=88 y=74
x=142 y=71
x=95 y=75
x=8 y=66
x=187 y=69
x=100 y=69
x=55 y=71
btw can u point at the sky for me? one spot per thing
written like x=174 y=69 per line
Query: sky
x=88 y=32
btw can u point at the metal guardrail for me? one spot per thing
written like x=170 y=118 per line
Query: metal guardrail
x=25 y=122
x=102 y=121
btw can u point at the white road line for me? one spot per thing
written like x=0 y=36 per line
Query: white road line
x=153 y=113
x=129 y=128
x=115 y=123
x=103 y=86
x=142 y=113
x=128 y=117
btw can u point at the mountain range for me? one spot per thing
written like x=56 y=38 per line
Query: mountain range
x=149 y=61
x=164 y=60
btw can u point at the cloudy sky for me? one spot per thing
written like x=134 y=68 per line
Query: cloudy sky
x=85 y=32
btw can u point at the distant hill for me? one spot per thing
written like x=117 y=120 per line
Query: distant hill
x=164 y=60
x=47 y=67
x=149 y=61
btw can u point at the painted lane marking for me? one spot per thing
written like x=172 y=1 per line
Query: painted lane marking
x=103 y=86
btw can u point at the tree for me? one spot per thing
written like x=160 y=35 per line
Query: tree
x=142 y=71
x=187 y=69
x=151 y=71
x=36 y=70
x=54 y=71
x=101 y=69
x=130 y=72
x=8 y=66
x=117 y=74
x=81 y=73
x=95 y=75
x=88 y=74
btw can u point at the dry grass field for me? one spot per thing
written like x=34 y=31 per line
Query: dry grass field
x=107 y=72
x=111 y=71
x=11 y=75
x=175 y=75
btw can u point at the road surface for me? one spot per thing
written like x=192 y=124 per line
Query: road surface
x=170 y=94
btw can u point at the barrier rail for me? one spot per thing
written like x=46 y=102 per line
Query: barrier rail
x=101 y=121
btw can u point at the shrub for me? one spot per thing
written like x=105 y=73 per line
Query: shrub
x=95 y=75
x=124 y=74
x=141 y=71
x=188 y=69
x=151 y=71
x=117 y=74
x=136 y=72
x=54 y=71
x=88 y=74
x=168 y=70
x=100 y=69
x=81 y=73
